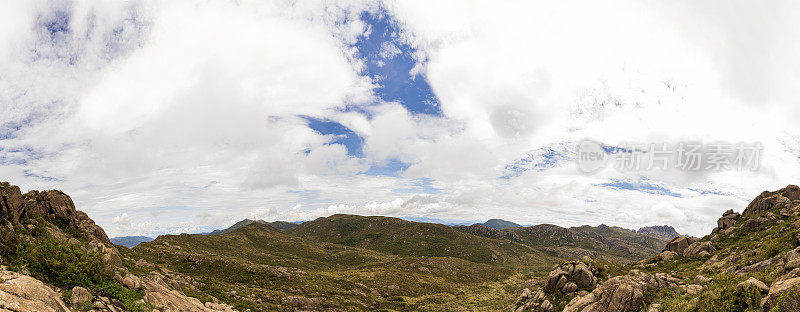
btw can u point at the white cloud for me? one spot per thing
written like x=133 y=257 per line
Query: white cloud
x=177 y=116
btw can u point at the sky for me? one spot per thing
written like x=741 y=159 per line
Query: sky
x=185 y=116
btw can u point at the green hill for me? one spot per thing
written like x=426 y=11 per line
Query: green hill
x=406 y=238
x=263 y=264
x=597 y=242
x=498 y=224
x=281 y=225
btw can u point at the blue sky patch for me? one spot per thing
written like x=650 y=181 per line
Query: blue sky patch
x=539 y=160
x=419 y=186
x=392 y=167
x=641 y=186
x=339 y=133
x=389 y=61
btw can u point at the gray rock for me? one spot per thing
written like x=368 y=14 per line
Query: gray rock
x=79 y=296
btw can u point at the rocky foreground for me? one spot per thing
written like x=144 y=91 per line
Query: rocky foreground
x=750 y=262
x=34 y=219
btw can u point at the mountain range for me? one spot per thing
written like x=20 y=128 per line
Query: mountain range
x=54 y=258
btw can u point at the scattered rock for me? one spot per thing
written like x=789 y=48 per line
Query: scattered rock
x=158 y=294
x=667 y=255
x=299 y=302
x=701 y=280
x=693 y=289
x=654 y=308
x=79 y=296
x=570 y=287
x=753 y=283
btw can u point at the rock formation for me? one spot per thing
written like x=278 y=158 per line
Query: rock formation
x=22 y=293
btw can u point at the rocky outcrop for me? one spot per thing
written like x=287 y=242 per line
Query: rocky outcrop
x=21 y=293
x=768 y=200
x=727 y=220
x=783 y=294
x=531 y=301
x=679 y=244
x=622 y=293
x=16 y=207
x=568 y=279
x=576 y=273
x=161 y=296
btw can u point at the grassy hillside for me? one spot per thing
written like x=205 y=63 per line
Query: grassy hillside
x=265 y=266
x=598 y=242
x=356 y=263
x=399 y=237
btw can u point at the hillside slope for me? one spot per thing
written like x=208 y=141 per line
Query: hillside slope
x=598 y=242
x=406 y=238
x=261 y=268
x=281 y=225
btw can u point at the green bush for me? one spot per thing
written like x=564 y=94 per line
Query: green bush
x=63 y=264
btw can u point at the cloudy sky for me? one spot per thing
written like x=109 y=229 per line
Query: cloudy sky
x=184 y=116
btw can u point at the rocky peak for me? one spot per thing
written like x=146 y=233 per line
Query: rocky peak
x=15 y=207
x=767 y=200
x=661 y=231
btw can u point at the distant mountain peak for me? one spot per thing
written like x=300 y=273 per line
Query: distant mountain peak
x=661 y=231
x=130 y=241
x=498 y=224
x=280 y=225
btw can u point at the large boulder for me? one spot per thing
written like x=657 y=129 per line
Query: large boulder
x=679 y=244
x=702 y=249
x=21 y=293
x=161 y=296
x=728 y=220
x=80 y=295
x=784 y=294
x=752 y=283
x=792 y=259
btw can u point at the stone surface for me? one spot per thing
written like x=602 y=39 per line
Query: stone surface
x=753 y=283
x=784 y=291
x=159 y=294
x=22 y=293
x=80 y=295
x=667 y=255
x=698 y=249
x=728 y=220
x=679 y=244
x=622 y=293
x=768 y=200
